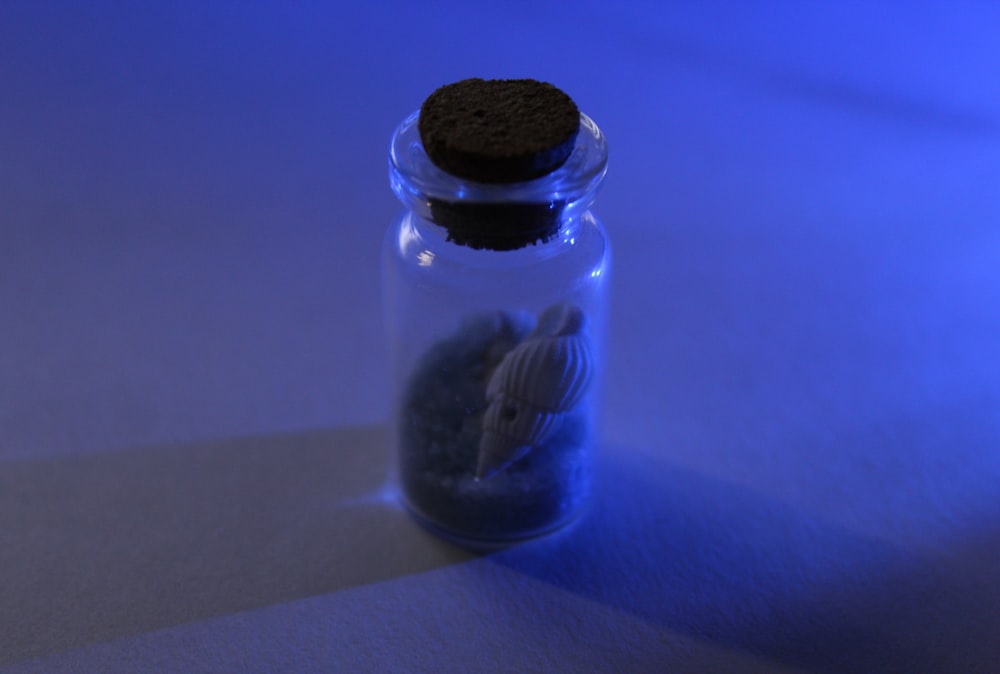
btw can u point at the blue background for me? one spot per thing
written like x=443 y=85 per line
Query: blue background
x=801 y=462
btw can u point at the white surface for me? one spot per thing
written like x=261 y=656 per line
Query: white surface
x=802 y=433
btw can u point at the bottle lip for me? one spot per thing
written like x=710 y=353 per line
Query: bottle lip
x=417 y=182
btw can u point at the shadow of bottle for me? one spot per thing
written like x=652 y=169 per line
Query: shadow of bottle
x=111 y=544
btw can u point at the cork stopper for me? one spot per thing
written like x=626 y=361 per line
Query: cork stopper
x=498 y=131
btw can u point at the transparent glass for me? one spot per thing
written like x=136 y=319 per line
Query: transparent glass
x=496 y=356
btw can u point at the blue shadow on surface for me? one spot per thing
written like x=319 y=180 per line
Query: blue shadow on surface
x=732 y=567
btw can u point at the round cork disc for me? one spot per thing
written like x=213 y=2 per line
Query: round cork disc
x=498 y=131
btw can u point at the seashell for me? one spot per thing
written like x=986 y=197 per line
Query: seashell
x=535 y=385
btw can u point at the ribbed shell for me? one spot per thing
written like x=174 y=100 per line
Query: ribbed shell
x=550 y=373
x=522 y=421
x=533 y=387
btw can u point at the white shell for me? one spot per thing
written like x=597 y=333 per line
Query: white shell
x=533 y=387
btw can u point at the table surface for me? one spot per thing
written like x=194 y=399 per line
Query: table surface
x=801 y=456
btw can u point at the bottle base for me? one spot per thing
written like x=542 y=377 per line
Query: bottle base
x=490 y=542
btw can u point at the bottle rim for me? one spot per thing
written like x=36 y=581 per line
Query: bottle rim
x=417 y=182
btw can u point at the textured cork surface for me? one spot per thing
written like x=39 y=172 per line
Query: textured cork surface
x=499 y=131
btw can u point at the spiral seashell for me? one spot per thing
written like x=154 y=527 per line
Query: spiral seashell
x=535 y=385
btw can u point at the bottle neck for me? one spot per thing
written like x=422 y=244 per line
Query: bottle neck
x=504 y=217
x=425 y=239
x=498 y=226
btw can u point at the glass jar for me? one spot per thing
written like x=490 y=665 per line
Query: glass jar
x=496 y=345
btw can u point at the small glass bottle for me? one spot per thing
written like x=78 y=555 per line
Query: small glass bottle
x=495 y=302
